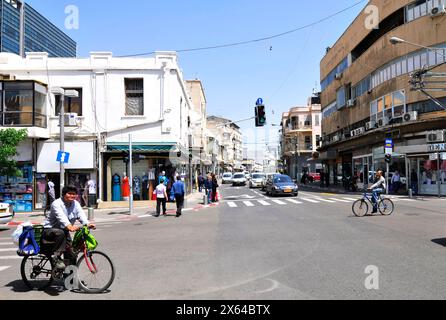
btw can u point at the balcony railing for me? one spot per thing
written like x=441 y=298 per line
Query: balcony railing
x=23 y=119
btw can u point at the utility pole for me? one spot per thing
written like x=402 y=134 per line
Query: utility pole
x=131 y=173
x=62 y=139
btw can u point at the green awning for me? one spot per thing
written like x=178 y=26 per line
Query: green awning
x=142 y=148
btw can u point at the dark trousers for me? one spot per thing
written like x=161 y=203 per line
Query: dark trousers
x=161 y=202
x=180 y=203
x=91 y=200
x=58 y=242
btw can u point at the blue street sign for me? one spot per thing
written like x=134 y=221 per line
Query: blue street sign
x=63 y=157
x=389 y=143
x=259 y=102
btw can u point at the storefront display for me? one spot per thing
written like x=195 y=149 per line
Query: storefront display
x=18 y=190
x=116 y=190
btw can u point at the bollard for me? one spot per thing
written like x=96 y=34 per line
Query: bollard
x=90 y=214
x=410 y=193
x=205 y=200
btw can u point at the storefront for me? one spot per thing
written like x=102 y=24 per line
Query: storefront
x=80 y=169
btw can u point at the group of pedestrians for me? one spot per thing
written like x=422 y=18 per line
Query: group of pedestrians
x=178 y=191
x=210 y=185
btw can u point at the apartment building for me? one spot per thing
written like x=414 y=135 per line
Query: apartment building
x=374 y=88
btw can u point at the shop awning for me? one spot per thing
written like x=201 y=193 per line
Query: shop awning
x=142 y=148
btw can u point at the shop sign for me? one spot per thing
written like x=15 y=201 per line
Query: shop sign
x=437 y=147
x=433 y=156
x=443 y=156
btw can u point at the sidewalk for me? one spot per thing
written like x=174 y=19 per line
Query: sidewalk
x=192 y=201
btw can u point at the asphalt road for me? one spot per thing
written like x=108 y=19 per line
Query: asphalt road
x=253 y=247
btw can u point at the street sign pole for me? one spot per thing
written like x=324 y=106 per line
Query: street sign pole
x=131 y=173
x=62 y=141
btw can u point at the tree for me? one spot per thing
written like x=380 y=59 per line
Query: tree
x=9 y=140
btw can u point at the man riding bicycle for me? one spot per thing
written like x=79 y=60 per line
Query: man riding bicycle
x=377 y=189
x=60 y=222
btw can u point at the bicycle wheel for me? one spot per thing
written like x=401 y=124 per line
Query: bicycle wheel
x=96 y=272
x=36 y=272
x=386 y=207
x=360 y=208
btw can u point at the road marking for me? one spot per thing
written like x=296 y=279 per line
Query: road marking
x=4 y=268
x=310 y=200
x=7 y=244
x=8 y=250
x=232 y=204
x=340 y=200
x=248 y=203
x=350 y=199
x=324 y=200
x=279 y=202
x=294 y=201
x=11 y=258
x=409 y=200
x=263 y=203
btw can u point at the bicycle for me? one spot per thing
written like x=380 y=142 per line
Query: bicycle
x=95 y=270
x=361 y=208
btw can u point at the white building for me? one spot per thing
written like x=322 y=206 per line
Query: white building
x=144 y=97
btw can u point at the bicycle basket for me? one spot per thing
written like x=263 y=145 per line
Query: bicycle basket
x=38 y=231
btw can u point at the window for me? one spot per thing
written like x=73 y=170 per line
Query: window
x=134 y=97
x=340 y=101
x=71 y=105
x=317 y=120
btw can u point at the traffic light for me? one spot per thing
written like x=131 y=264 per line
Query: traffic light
x=388 y=158
x=126 y=157
x=260 y=116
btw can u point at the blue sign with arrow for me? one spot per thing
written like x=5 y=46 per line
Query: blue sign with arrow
x=63 y=157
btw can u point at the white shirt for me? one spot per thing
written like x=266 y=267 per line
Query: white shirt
x=91 y=184
x=62 y=216
x=160 y=190
x=396 y=178
x=51 y=190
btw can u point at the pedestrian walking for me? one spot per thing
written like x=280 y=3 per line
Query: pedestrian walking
x=179 y=190
x=414 y=182
x=91 y=187
x=200 y=183
x=214 y=188
x=161 y=198
x=396 y=182
x=208 y=186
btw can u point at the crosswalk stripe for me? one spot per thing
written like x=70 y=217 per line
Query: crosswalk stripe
x=264 y=203
x=294 y=201
x=7 y=244
x=324 y=200
x=350 y=199
x=310 y=200
x=248 y=203
x=409 y=200
x=4 y=268
x=8 y=250
x=232 y=204
x=11 y=258
x=279 y=202
x=340 y=200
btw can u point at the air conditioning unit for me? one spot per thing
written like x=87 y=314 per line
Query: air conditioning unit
x=351 y=103
x=436 y=136
x=71 y=120
x=370 y=125
x=410 y=116
x=353 y=133
x=360 y=131
x=382 y=122
x=437 y=11
x=338 y=76
x=336 y=138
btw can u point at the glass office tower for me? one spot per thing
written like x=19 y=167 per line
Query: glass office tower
x=40 y=35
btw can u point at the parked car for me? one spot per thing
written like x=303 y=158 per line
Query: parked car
x=239 y=179
x=227 y=178
x=6 y=213
x=257 y=180
x=281 y=185
x=314 y=177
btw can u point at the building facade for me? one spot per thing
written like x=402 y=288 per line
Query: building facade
x=23 y=29
x=301 y=133
x=118 y=97
x=369 y=95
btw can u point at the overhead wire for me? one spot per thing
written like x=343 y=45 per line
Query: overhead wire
x=234 y=44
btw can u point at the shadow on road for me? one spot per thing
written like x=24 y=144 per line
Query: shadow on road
x=20 y=287
x=441 y=241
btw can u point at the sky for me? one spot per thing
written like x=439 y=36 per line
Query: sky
x=283 y=71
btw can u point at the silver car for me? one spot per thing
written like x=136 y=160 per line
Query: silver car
x=257 y=180
x=239 y=179
x=6 y=213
